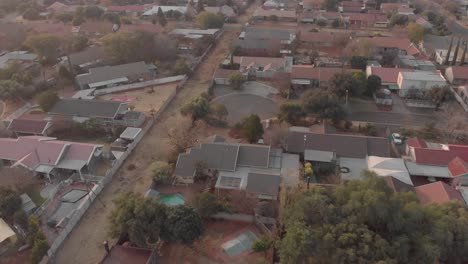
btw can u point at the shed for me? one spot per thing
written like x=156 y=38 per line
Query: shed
x=130 y=133
x=7 y=235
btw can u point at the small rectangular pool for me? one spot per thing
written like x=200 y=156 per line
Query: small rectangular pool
x=172 y=198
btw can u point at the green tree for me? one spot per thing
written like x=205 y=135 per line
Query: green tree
x=415 y=32
x=31 y=13
x=39 y=250
x=65 y=18
x=197 y=108
x=143 y=220
x=79 y=43
x=336 y=23
x=321 y=22
x=181 y=68
x=323 y=104
x=161 y=17
x=358 y=62
x=236 y=80
x=359 y=83
x=20 y=218
x=45 y=45
x=290 y=112
x=10 y=202
x=77 y=21
x=161 y=171
x=261 y=245
x=206 y=20
x=399 y=20
x=34 y=232
x=11 y=90
x=330 y=5
x=219 y=110
x=93 y=12
x=184 y=224
x=373 y=84
x=439 y=95
x=47 y=100
x=200 y=6
x=206 y=204
x=252 y=128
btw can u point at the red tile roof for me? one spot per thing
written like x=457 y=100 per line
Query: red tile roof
x=317 y=73
x=389 y=75
x=368 y=18
x=356 y=9
x=440 y=157
x=460 y=72
x=416 y=143
x=394 y=42
x=458 y=167
x=351 y=3
x=128 y=8
x=246 y=62
x=26 y=126
x=437 y=192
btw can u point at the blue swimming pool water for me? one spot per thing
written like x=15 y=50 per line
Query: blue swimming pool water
x=172 y=199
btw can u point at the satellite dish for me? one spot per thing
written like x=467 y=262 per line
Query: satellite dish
x=115 y=27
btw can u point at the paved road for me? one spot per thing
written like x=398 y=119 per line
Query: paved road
x=392 y=118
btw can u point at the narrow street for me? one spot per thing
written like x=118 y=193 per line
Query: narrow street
x=84 y=245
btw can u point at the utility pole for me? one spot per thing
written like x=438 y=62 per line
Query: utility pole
x=447 y=56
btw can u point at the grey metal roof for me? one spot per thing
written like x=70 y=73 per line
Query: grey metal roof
x=91 y=54
x=105 y=73
x=343 y=145
x=27 y=203
x=268 y=33
x=130 y=133
x=263 y=183
x=86 y=108
x=319 y=155
x=253 y=156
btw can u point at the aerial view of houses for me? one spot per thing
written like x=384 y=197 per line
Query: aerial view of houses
x=242 y=131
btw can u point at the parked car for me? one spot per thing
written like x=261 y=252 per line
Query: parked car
x=397 y=138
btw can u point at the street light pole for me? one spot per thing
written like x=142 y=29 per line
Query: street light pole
x=346 y=98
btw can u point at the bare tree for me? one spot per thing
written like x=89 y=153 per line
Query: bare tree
x=183 y=136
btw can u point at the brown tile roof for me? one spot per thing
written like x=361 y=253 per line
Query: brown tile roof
x=368 y=18
x=460 y=72
x=437 y=192
x=458 y=167
x=395 y=42
x=389 y=75
x=355 y=9
x=351 y=3
x=397 y=185
x=317 y=73
x=28 y=126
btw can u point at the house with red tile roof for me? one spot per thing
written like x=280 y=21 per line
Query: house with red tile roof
x=438 y=193
x=29 y=127
x=281 y=15
x=306 y=76
x=365 y=20
x=311 y=17
x=457 y=75
x=263 y=67
x=351 y=6
x=49 y=156
x=434 y=161
x=389 y=76
x=402 y=46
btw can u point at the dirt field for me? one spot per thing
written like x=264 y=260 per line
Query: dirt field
x=85 y=243
x=143 y=99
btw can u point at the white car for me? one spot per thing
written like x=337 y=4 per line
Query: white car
x=397 y=138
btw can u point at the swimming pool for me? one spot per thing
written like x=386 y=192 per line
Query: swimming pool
x=172 y=198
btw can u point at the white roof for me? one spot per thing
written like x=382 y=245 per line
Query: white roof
x=427 y=170
x=389 y=167
x=423 y=76
x=187 y=31
x=16 y=55
x=154 y=9
x=6 y=231
x=112 y=81
x=130 y=133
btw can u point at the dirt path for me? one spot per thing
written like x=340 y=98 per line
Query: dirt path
x=84 y=244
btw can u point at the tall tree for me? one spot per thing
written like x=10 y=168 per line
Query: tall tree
x=200 y=6
x=252 y=128
x=455 y=55
x=449 y=50
x=197 y=108
x=184 y=224
x=45 y=45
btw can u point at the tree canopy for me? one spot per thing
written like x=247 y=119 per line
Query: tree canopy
x=206 y=204
x=236 y=80
x=207 y=20
x=290 y=112
x=364 y=221
x=11 y=90
x=161 y=171
x=415 y=32
x=183 y=225
x=373 y=84
x=45 y=45
x=252 y=128
x=323 y=104
x=197 y=108
x=47 y=100
x=10 y=202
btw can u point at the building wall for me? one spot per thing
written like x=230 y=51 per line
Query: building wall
x=422 y=86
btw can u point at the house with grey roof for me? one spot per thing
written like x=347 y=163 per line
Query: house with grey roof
x=84 y=60
x=257 y=170
x=22 y=57
x=266 y=42
x=111 y=76
x=104 y=112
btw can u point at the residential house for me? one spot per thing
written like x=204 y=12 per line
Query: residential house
x=59 y=8
x=430 y=162
x=255 y=170
x=278 y=4
x=441 y=55
x=154 y=10
x=389 y=76
x=119 y=254
x=400 y=46
x=409 y=61
x=330 y=62
x=353 y=153
x=351 y=6
x=457 y=75
x=418 y=82
x=396 y=8
x=128 y=10
x=110 y=76
x=423 y=22
x=397 y=185
x=461 y=95
x=25 y=58
x=186 y=38
x=8 y=237
x=269 y=42
x=365 y=20
x=22 y=127
x=438 y=193
x=313 y=17
x=306 y=76
x=311 y=5
x=103 y=112
x=263 y=67
x=314 y=40
x=277 y=15
x=49 y=156
x=82 y=61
